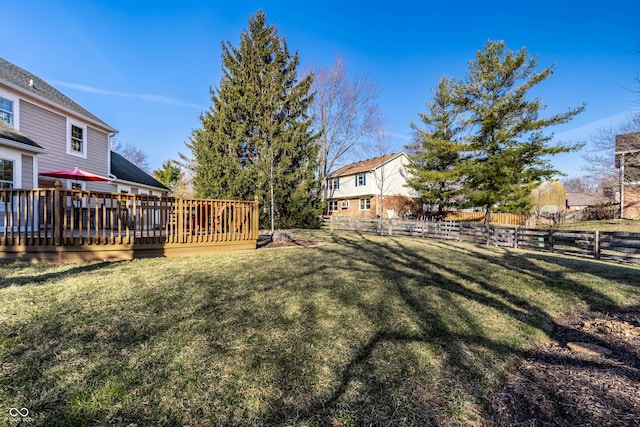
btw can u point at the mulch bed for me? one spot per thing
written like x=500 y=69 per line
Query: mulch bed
x=588 y=375
x=265 y=242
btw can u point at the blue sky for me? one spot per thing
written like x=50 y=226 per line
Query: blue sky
x=146 y=67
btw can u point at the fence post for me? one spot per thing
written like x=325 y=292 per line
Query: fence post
x=551 y=239
x=596 y=245
x=515 y=237
x=58 y=214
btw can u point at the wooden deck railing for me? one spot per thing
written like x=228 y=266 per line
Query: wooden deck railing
x=62 y=220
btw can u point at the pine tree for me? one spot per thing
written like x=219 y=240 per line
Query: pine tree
x=168 y=174
x=256 y=140
x=507 y=152
x=435 y=151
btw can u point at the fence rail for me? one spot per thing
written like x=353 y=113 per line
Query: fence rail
x=614 y=246
x=52 y=223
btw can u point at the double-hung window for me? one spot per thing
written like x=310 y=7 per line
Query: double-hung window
x=6 y=111
x=365 y=204
x=361 y=179
x=6 y=174
x=76 y=139
x=333 y=205
x=333 y=184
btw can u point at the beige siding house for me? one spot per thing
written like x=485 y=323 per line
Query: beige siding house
x=41 y=129
x=372 y=188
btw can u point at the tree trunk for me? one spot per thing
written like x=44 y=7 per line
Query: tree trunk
x=487 y=222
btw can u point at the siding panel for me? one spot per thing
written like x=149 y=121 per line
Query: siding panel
x=49 y=129
x=27 y=171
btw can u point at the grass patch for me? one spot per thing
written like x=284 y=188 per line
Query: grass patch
x=626 y=225
x=360 y=330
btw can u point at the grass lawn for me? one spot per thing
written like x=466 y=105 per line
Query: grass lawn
x=625 y=225
x=360 y=330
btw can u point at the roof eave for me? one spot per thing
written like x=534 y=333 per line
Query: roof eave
x=137 y=184
x=62 y=108
x=22 y=146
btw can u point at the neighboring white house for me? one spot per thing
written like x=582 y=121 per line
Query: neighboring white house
x=372 y=188
x=41 y=130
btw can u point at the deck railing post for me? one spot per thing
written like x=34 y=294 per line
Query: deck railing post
x=58 y=214
x=256 y=217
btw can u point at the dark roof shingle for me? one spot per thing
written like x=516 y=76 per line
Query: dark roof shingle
x=29 y=82
x=123 y=169
x=9 y=132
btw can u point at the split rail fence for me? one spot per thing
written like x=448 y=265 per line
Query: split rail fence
x=613 y=246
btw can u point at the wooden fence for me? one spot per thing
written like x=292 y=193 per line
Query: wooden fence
x=496 y=217
x=614 y=246
x=59 y=225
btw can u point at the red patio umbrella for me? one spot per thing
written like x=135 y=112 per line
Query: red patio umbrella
x=77 y=174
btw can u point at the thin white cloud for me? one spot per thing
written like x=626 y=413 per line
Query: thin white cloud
x=142 y=96
x=585 y=132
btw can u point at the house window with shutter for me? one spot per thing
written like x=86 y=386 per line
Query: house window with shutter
x=361 y=179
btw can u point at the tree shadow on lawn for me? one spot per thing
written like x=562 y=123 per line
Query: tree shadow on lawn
x=66 y=271
x=273 y=323
x=469 y=351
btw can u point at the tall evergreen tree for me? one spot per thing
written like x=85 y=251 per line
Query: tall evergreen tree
x=435 y=151
x=168 y=174
x=255 y=139
x=507 y=153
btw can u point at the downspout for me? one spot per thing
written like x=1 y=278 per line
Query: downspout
x=110 y=136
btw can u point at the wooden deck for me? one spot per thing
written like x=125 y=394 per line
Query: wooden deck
x=60 y=225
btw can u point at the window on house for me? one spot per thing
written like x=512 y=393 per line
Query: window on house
x=333 y=183
x=345 y=204
x=76 y=139
x=361 y=179
x=6 y=174
x=365 y=204
x=6 y=111
x=333 y=205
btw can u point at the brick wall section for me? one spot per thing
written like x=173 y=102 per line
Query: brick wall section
x=631 y=202
x=400 y=204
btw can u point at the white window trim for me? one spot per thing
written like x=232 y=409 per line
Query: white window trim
x=16 y=158
x=344 y=204
x=82 y=126
x=360 y=202
x=16 y=107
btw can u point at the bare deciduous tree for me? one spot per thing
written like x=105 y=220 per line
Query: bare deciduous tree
x=132 y=153
x=345 y=113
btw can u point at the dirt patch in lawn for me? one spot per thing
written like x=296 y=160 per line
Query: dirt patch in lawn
x=588 y=375
x=265 y=242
